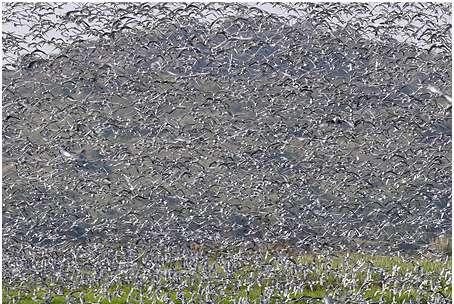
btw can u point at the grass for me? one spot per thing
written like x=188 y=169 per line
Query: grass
x=373 y=278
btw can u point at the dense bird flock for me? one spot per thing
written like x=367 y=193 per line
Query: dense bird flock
x=195 y=151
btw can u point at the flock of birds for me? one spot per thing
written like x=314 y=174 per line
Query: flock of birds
x=135 y=133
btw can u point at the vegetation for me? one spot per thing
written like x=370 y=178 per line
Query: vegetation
x=269 y=277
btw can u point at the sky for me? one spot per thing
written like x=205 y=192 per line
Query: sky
x=24 y=27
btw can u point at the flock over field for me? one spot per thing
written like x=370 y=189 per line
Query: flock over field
x=226 y=153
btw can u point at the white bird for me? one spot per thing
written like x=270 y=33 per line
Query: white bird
x=328 y=300
x=437 y=91
x=72 y=156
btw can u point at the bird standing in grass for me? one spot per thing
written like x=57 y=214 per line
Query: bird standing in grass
x=328 y=300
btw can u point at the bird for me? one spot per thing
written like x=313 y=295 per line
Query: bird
x=447 y=99
x=328 y=300
x=79 y=156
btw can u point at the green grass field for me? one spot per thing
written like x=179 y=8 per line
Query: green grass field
x=269 y=278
